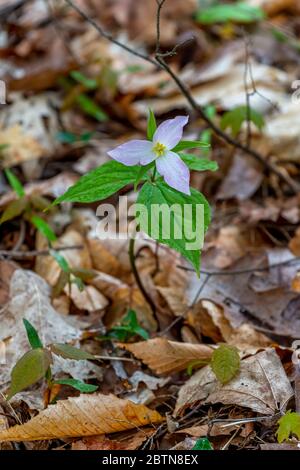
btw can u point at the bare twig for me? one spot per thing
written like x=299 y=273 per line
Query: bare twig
x=31 y=254
x=243 y=271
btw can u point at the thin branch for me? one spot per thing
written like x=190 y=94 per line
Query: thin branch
x=243 y=271
x=109 y=36
x=159 y=61
x=31 y=254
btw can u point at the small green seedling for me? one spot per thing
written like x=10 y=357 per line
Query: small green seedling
x=36 y=364
x=128 y=328
x=225 y=363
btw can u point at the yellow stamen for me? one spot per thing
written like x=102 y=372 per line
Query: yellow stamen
x=159 y=149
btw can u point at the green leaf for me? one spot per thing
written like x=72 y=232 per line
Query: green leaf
x=185 y=218
x=195 y=364
x=129 y=327
x=77 y=384
x=151 y=125
x=92 y=109
x=28 y=370
x=14 y=182
x=87 y=82
x=69 y=352
x=239 y=12
x=141 y=175
x=197 y=163
x=14 y=209
x=61 y=261
x=237 y=116
x=43 y=227
x=190 y=144
x=225 y=362
x=288 y=424
x=32 y=335
x=100 y=183
x=203 y=444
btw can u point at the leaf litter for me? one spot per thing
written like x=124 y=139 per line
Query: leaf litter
x=154 y=369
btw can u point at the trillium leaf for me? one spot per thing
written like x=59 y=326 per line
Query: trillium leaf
x=197 y=163
x=100 y=183
x=28 y=370
x=151 y=125
x=190 y=144
x=182 y=224
x=225 y=362
x=288 y=424
x=69 y=352
x=239 y=12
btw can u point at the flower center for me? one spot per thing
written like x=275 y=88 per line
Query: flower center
x=159 y=149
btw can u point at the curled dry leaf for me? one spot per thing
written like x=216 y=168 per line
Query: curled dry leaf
x=86 y=415
x=166 y=357
x=261 y=385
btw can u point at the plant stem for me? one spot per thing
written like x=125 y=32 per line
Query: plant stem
x=137 y=276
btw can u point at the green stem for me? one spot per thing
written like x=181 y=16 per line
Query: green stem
x=154 y=174
x=137 y=276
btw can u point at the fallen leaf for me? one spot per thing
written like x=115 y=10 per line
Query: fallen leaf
x=30 y=299
x=166 y=357
x=86 y=415
x=104 y=443
x=261 y=385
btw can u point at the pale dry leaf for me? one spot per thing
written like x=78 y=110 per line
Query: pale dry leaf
x=261 y=385
x=48 y=268
x=176 y=300
x=153 y=383
x=208 y=319
x=86 y=415
x=89 y=298
x=21 y=147
x=165 y=357
x=54 y=187
x=30 y=299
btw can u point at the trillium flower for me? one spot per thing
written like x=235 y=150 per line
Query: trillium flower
x=168 y=164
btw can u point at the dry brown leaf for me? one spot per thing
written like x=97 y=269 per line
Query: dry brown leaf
x=123 y=297
x=208 y=319
x=215 y=430
x=294 y=244
x=261 y=385
x=48 y=268
x=102 y=259
x=104 y=443
x=86 y=415
x=166 y=357
x=175 y=299
x=89 y=298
